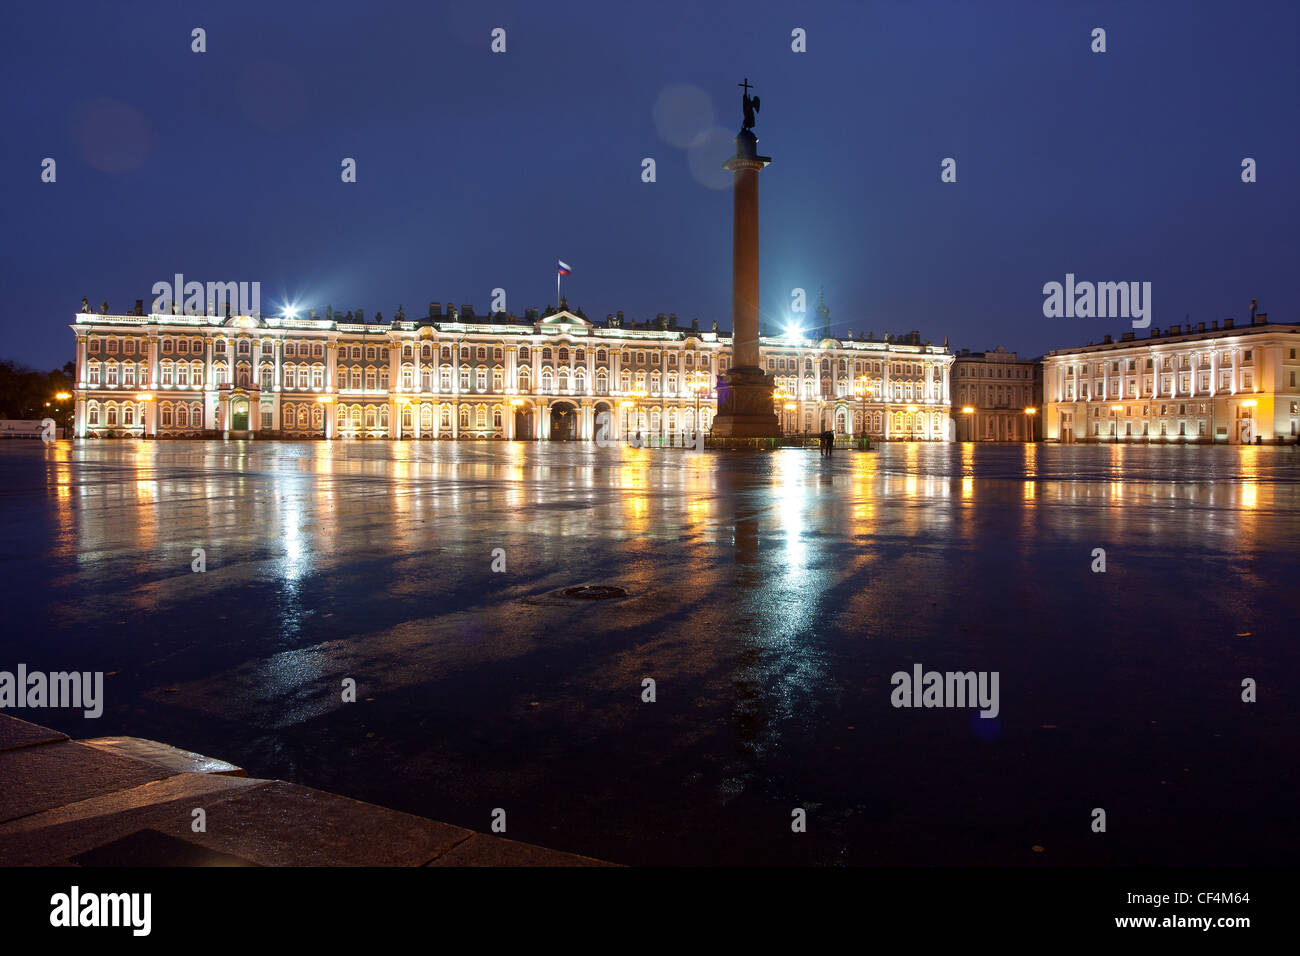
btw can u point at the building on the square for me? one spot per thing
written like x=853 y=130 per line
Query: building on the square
x=455 y=374
x=1226 y=383
x=996 y=396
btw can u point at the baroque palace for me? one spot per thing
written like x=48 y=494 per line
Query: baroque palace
x=454 y=375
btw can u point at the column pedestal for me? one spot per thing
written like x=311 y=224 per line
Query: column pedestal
x=745 y=408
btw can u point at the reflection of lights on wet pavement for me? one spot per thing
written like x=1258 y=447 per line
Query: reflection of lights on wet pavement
x=770 y=594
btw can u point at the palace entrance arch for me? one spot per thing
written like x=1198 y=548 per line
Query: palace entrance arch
x=564 y=422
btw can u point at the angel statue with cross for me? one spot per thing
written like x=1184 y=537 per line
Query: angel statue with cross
x=750 y=104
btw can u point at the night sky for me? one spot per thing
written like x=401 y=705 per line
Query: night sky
x=478 y=170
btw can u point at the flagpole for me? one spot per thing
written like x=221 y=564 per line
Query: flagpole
x=557 y=287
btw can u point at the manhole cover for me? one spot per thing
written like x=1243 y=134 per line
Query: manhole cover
x=594 y=592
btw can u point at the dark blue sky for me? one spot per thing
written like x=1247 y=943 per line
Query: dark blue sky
x=478 y=170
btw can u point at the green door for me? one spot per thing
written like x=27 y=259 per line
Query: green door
x=239 y=417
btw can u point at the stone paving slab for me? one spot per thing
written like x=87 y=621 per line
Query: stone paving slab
x=283 y=824
x=52 y=775
x=124 y=801
x=484 y=850
x=57 y=835
x=15 y=733
x=164 y=755
x=151 y=848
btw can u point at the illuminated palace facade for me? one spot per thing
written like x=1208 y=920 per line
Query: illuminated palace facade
x=1231 y=383
x=457 y=376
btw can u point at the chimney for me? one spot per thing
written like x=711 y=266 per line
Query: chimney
x=661 y=321
x=1155 y=332
x=672 y=320
x=1253 y=304
x=695 y=325
x=435 y=310
x=1229 y=324
x=139 y=306
x=1261 y=319
x=1106 y=340
x=1214 y=326
x=1200 y=326
x=1126 y=337
x=1175 y=329
x=467 y=311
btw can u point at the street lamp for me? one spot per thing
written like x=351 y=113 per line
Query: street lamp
x=698 y=384
x=968 y=411
x=1029 y=421
x=863 y=391
x=1114 y=421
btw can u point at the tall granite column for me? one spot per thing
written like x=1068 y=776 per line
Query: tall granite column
x=745 y=407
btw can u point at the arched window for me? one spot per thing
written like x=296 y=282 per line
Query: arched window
x=546 y=381
x=112 y=413
x=496 y=416
x=317 y=415
x=166 y=414
x=370 y=416
x=182 y=416
x=302 y=417
x=481 y=417
x=464 y=416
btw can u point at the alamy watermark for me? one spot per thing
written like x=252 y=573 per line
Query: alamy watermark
x=57 y=689
x=214 y=298
x=947 y=689
x=1098 y=300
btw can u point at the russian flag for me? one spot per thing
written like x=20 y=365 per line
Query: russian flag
x=564 y=269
